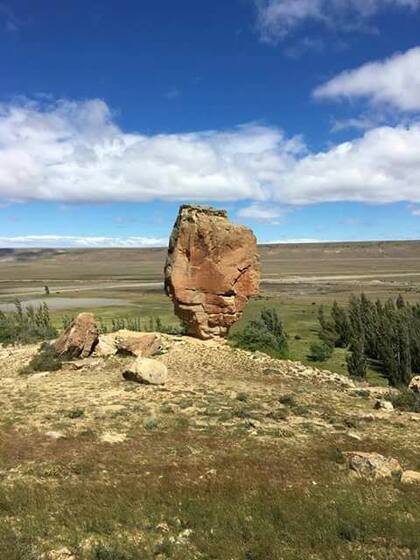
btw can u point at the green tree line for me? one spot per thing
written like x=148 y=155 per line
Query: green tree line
x=385 y=335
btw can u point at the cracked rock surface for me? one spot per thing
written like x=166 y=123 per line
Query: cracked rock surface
x=212 y=270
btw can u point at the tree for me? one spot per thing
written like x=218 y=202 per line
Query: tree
x=356 y=361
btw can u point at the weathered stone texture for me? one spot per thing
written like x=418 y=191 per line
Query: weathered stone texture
x=212 y=270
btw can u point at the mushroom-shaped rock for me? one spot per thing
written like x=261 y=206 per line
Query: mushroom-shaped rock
x=211 y=271
x=79 y=339
x=146 y=371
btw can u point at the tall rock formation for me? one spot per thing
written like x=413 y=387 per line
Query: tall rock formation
x=211 y=271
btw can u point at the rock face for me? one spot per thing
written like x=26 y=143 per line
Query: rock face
x=147 y=371
x=212 y=270
x=373 y=465
x=79 y=339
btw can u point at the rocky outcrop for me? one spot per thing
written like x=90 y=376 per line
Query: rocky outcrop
x=147 y=372
x=79 y=339
x=212 y=270
x=372 y=465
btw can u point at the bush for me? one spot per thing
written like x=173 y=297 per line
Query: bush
x=26 y=325
x=405 y=400
x=265 y=334
x=320 y=351
x=47 y=359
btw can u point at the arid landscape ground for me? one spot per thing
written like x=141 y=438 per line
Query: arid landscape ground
x=238 y=456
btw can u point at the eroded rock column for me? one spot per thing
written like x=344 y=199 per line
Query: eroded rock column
x=212 y=270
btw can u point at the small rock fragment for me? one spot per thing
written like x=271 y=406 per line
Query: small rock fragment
x=382 y=404
x=410 y=477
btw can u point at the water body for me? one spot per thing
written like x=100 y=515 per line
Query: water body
x=68 y=303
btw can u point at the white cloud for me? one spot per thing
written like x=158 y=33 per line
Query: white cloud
x=380 y=167
x=394 y=81
x=80 y=241
x=278 y=18
x=416 y=212
x=295 y=241
x=264 y=213
x=74 y=152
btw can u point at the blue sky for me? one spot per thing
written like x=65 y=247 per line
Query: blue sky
x=301 y=117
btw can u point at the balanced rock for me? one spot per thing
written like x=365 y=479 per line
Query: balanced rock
x=415 y=384
x=147 y=371
x=373 y=465
x=79 y=339
x=211 y=271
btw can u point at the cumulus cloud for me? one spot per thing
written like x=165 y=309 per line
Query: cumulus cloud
x=382 y=166
x=74 y=152
x=80 y=241
x=278 y=18
x=394 y=81
x=263 y=213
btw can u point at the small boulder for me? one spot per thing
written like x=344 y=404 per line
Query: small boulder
x=137 y=343
x=106 y=345
x=410 y=477
x=372 y=465
x=129 y=342
x=147 y=371
x=79 y=339
x=382 y=404
x=415 y=384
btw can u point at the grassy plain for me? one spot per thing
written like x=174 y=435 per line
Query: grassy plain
x=238 y=457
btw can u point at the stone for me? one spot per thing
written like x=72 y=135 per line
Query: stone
x=106 y=345
x=137 y=343
x=129 y=342
x=211 y=271
x=410 y=477
x=372 y=465
x=79 y=339
x=147 y=372
x=382 y=404
x=415 y=384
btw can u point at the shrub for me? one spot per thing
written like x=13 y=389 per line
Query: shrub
x=405 y=400
x=265 y=334
x=26 y=325
x=46 y=359
x=75 y=413
x=151 y=423
x=320 y=351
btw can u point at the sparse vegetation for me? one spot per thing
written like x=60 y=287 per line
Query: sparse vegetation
x=46 y=359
